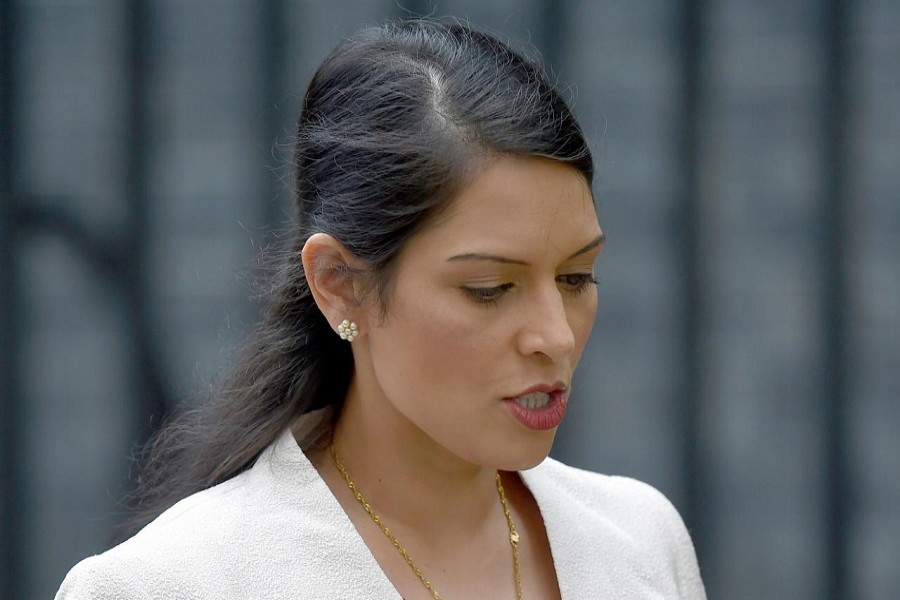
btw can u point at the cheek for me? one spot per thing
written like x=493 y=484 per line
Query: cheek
x=430 y=345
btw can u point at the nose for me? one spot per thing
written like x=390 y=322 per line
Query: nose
x=546 y=328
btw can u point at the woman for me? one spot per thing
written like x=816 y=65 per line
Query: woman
x=387 y=432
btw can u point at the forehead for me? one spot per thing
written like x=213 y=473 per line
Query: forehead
x=529 y=205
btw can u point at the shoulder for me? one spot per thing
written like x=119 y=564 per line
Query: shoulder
x=192 y=549
x=629 y=522
x=165 y=557
x=624 y=500
x=253 y=536
x=92 y=579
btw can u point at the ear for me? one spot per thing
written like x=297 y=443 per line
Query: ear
x=331 y=273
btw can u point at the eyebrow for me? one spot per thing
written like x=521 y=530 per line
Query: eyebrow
x=597 y=241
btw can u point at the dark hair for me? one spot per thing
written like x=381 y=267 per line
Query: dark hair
x=392 y=122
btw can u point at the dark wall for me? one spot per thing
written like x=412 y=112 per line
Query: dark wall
x=745 y=357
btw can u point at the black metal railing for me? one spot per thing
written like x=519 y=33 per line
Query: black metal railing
x=688 y=240
x=835 y=340
x=11 y=464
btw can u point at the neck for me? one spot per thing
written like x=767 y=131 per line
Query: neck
x=409 y=479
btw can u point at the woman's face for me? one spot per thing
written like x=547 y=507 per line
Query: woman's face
x=493 y=301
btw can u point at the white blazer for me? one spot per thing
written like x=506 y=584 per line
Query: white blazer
x=276 y=531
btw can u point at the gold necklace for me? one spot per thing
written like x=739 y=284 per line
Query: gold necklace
x=513 y=534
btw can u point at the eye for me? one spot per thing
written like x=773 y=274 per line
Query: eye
x=487 y=295
x=577 y=282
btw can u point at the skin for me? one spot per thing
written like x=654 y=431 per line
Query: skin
x=425 y=425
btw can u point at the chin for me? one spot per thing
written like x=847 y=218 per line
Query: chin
x=528 y=455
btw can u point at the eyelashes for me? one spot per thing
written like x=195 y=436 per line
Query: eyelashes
x=487 y=295
x=577 y=282
x=574 y=283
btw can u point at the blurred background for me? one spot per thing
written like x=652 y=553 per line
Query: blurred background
x=746 y=358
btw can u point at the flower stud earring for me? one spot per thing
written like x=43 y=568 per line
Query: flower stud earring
x=348 y=330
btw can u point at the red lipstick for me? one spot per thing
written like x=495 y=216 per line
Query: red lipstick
x=544 y=417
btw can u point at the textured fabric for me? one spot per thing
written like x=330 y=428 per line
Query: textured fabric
x=276 y=531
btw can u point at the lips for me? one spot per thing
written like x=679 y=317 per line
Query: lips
x=541 y=407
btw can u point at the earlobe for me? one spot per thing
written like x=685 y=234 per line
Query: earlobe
x=330 y=272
